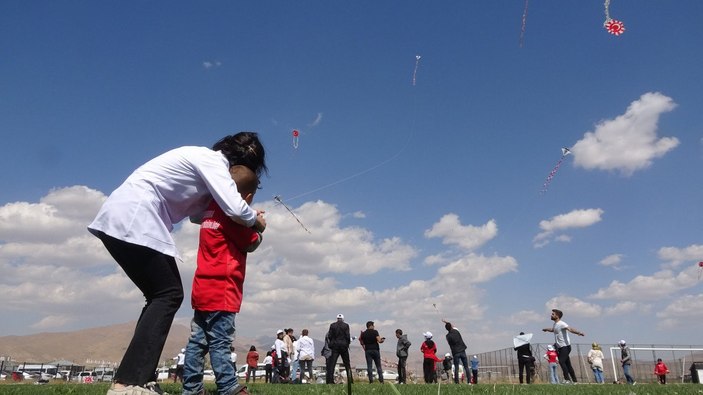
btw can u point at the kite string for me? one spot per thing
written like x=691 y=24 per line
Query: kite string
x=405 y=145
x=524 y=24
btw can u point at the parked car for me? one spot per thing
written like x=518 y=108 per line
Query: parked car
x=3 y=375
x=165 y=373
x=388 y=375
x=260 y=371
x=87 y=377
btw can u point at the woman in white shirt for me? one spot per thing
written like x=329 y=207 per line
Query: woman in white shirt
x=135 y=225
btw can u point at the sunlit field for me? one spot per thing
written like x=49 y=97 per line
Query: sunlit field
x=379 y=389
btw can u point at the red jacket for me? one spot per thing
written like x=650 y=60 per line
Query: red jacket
x=660 y=369
x=219 y=278
x=253 y=359
x=429 y=352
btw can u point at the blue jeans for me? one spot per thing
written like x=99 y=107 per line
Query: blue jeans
x=626 y=371
x=598 y=374
x=461 y=357
x=294 y=368
x=553 y=373
x=373 y=356
x=213 y=332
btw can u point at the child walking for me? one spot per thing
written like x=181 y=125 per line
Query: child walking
x=661 y=370
x=217 y=291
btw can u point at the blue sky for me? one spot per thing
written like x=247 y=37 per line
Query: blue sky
x=415 y=195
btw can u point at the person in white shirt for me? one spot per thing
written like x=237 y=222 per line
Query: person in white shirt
x=561 y=338
x=306 y=354
x=135 y=222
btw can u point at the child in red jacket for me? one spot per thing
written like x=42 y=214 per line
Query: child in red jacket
x=429 y=354
x=661 y=370
x=217 y=291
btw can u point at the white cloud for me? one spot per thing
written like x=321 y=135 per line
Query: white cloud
x=525 y=317
x=622 y=308
x=629 y=142
x=466 y=237
x=572 y=306
x=659 y=285
x=208 y=64
x=574 y=219
x=676 y=256
x=682 y=311
x=612 y=260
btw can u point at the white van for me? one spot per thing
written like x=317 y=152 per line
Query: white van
x=104 y=373
x=260 y=371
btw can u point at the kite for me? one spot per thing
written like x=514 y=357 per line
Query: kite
x=700 y=269
x=524 y=24
x=417 y=63
x=279 y=200
x=296 y=134
x=613 y=26
x=564 y=153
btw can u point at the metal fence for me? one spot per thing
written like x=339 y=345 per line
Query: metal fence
x=501 y=366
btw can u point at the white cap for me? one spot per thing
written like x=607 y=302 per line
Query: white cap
x=447 y=355
x=428 y=335
x=622 y=342
x=279 y=332
x=183 y=350
x=340 y=316
x=550 y=347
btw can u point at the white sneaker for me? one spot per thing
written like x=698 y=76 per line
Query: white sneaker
x=130 y=390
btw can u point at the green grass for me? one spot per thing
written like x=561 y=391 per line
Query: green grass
x=380 y=389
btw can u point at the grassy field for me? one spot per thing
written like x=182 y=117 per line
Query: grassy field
x=380 y=389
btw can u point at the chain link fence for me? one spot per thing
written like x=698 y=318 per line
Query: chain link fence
x=501 y=366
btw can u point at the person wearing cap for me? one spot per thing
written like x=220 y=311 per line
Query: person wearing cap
x=429 y=358
x=595 y=359
x=280 y=359
x=563 y=344
x=370 y=340
x=447 y=366
x=180 y=360
x=402 y=353
x=626 y=360
x=339 y=341
x=458 y=348
x=551 y=357
x=474 y=369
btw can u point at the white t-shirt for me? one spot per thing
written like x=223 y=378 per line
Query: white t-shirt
x=165 y=190
x=561 y=335
x=306 y=348
x=233 y=357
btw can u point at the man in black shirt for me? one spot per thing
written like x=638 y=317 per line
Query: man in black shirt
x=370 y=340
x=339 y=340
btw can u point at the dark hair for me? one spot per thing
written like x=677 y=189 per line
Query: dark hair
x=399 y=331
x=252 y=348
x=558 y=313
x=369 y=324
x=448 y=326
x=305 y=332
x=244 y=148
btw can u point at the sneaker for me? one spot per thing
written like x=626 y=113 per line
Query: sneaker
x=154 y=386
x=634 y=382
x=131 y=390
x=238 y=390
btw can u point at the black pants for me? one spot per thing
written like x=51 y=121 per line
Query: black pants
x=401 y=369
x=524 y=364
x=565 y=363
x=156 y=275
x=428 y=370
x=332 y=361
x=269 y=373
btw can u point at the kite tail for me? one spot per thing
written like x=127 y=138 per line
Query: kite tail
x=551 y=175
